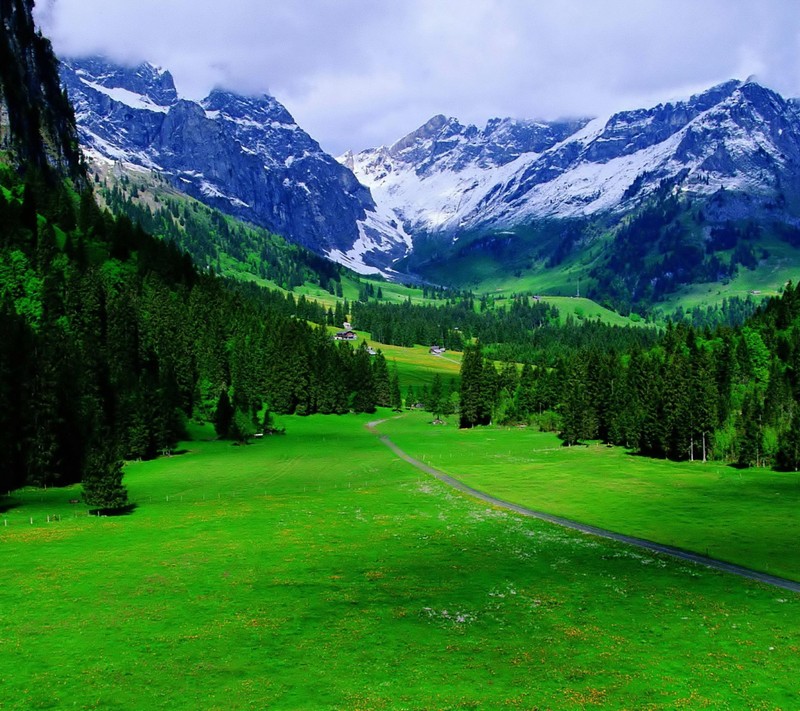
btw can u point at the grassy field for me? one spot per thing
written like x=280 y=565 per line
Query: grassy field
x=317 y=571
x=393 y=293
x=415 y=365
x=748 y=517
x=580 y=308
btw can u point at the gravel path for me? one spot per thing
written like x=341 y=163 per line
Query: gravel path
x=592 y=530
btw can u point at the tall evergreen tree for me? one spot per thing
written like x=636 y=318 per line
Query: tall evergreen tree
x=382 y=381
x=223 y=416
x=103 y=489
x=475 y=401
x=789 y=449
x=396 y=399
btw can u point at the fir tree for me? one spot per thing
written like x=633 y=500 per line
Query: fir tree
x=380 y=376
x=789 y=449
x=477 y=385
x=396 y=398
x=223 y=415
x=103 y=489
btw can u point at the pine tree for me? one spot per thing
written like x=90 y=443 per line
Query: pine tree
x=524 y=396
x=362 y=384
x=223 y=416
x=474 y=397
x=625 y=426
x=677 y=442
x=103 y=489
x=396 y=398
x=789 y=449
x=380 y=376
x=703 y=401
x=750 y=432
x=578 y=417
x=242 y=427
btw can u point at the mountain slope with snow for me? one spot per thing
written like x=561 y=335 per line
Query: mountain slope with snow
x=448 y=178
x=243 y=155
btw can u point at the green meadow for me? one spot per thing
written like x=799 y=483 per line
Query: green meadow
x=748 y=517
x=316 y=570
x=415 y=365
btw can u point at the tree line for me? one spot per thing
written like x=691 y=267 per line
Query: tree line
x=730 y=394
x=110 y=339
x=525 y=330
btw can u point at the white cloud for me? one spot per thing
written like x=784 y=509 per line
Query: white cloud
x=357 y=73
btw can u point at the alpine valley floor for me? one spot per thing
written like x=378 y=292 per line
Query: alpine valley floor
x=318 y=571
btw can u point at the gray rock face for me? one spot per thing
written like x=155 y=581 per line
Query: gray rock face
x=243 y=155
x=248 y=157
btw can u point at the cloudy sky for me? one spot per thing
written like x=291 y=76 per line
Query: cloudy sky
x=360 y=73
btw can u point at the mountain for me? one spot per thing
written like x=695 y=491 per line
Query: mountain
x=434 y=177
x=37 y=124
x=447 y=178
x=635 y=204
x=632 y=207
x=243 y=155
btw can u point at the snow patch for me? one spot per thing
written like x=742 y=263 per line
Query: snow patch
x=129 y=98
x=212 y=191
x=374 y=235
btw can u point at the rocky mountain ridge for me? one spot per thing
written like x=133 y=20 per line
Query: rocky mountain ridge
x=243 y=155
x=248 y=157
x=37 y=125
x=447 y=178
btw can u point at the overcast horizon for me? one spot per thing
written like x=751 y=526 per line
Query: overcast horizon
x=357 y=73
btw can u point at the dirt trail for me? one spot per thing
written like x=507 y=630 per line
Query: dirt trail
x=678 y=553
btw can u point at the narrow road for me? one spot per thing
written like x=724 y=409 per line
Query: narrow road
x=591 y=530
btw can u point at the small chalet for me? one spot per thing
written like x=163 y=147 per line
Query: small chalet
x=347 y=326
x=371 y=350
x=345 y=336
x=437 y=350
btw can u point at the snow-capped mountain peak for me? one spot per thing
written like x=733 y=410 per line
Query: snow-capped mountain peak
x=446 y=177
x=145 y=85
x=247 y=156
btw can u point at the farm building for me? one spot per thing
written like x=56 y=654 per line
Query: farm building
x=345 y=336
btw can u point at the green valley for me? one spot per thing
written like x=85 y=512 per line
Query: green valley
x=238 y=474
x=318 y=569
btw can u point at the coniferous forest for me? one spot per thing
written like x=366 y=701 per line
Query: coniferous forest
x=111 y=339
x=730 y=394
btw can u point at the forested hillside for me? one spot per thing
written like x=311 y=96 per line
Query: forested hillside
x=110 y=339
x=213 y=239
